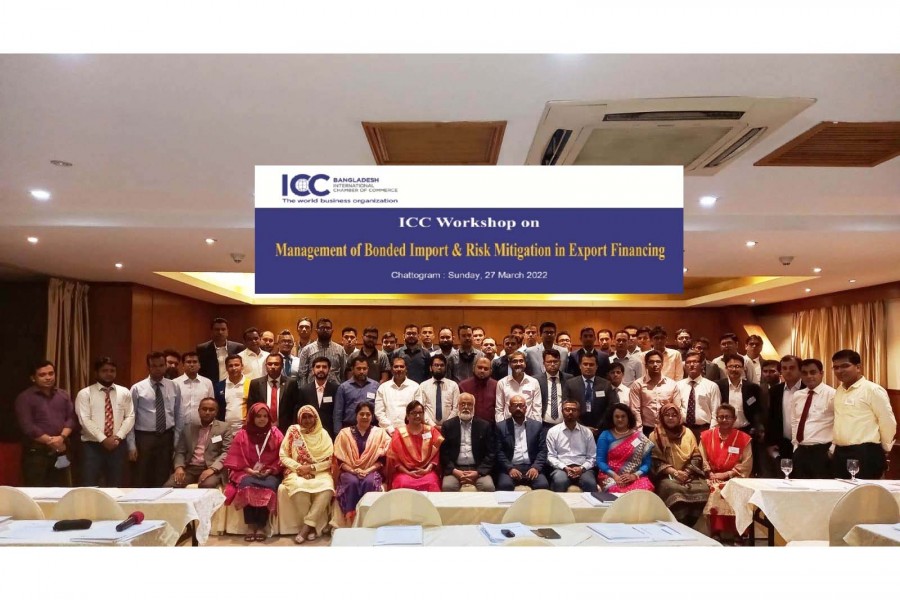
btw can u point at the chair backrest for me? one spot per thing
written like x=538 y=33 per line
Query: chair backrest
x=637 y=506
x=523 y=541
x=539 y=507
x=19 y=505
x=402 y=507
x=88 y=503
x=862 y=505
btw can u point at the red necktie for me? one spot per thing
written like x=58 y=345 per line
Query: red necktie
x=107 y=415
x=803 y=416
x=273 y=402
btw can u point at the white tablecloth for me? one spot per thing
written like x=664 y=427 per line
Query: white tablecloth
x=470 y=508
x=874 y=535
x=469 y=535
x=45 y=536
x=798 y=510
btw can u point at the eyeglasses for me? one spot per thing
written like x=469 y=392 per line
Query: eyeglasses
x=724 y=418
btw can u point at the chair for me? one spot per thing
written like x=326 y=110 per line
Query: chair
x=402 y=507
x=88 y=503
x=17 y=504
x=539 y=507
x=637 y=506
x=527 y=542
x=865 y=504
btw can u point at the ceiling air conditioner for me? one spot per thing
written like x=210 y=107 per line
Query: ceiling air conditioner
x=701 y=134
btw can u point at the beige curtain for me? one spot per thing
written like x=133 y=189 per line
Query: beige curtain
x=820 y=332
x=68 y=329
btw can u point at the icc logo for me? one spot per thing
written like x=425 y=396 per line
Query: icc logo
x=304 y=185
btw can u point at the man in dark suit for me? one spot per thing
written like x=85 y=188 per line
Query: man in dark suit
x=319 y=393
x=594 y=393
x=500 y=365
x=213 y=353
x=750 y=409
x=588 y=337
x=277 y=391
x=778 y=432
x=552 y=396
x=467 y=454
x=211 y=438
x=709 y=369
x=520 y=449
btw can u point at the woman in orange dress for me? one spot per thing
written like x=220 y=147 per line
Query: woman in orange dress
x=412 y=457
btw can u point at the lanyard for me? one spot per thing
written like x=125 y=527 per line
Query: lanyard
x=259 y=449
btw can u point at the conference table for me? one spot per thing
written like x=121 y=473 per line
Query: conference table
x=798 y=509
x=881 y=534
x=40 y=533
x=577 y=534
x=470 y=508
x=185 y=510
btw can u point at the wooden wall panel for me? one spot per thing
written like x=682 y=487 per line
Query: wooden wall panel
x=109 y=307
x=181 y=323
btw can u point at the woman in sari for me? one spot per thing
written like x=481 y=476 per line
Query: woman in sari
x=306 y=455
x=360 y=454
x=678 y=466
x=623 y=453
x=253 y=469
x=413 y=454
x=726 y=453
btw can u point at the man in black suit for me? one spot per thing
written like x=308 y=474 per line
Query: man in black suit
x=553 y=389
x=277 y=391
x=749 y=403
x=213 y=353
x=588 y=337
x=319 y=393
x=500 y=365
x=778 y=432
x=594 y=392
x=521 y=450
x=467 y=454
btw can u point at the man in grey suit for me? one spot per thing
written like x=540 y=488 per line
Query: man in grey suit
x=521 y=450
x=534 y=356
x=594 y=393
x=201 y=450
x=553 y=389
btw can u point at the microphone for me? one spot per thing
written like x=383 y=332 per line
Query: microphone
x=135 y=518
x=72 y=524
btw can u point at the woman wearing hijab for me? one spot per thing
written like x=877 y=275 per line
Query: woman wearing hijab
x=623 y=453
x=726 y=454
x=360 y=453
x=306 y=455
x=678 y=467
x=254 y=469
x=413 y=454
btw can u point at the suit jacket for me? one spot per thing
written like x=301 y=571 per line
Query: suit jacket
x=755 y=412
x=291 y=366
x=215 y=452
x=209 y=364
x=775 y=426
x=505 y=444
x=482 y=445
x=287 y=399
x=308 y=396
x=543 y=381
x=597 y=414
x=534 y=359
x=711 y=372
x=574 y=363
x=500 y=367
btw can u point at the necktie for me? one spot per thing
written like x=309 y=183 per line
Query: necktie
x=691 y=418
x=107 y=415
x=804 y=415
x=160 y=409
x=588 y=392
x=287 y=364
x=438 y=408
x=554 y=400
x=273 y=401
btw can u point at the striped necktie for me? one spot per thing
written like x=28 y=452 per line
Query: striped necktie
x=160 y=409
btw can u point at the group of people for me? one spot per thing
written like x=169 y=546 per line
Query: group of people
x=622 y=412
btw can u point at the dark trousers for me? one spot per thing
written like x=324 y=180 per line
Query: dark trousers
x=870 y=457
x=192 y=475
x=154 y=460
x=99 y=463
x=38 y=468
x=560 y=482
x=812 y=462
x=506 y=483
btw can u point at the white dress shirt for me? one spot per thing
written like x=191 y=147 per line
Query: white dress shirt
x=819 y=426
x=221 y=355
x=548 y=413
x=755 y=374
x=234 y=403
x=192 y=392
x=571 y=446
x=90 y=407
x=520 y=450
x=254 y=364
x=390 y=403
x=427 y=395
x=465 y=457
x=736 y=399
x=707 y=399
x=529 y=389
x=787 y=408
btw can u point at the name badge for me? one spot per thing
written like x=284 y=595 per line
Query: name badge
x=849 y=401
x=600 y=394
x=588 y=407
x=636 y=442
x=426 y=436
x=751 y=400
x=733 y=450
x=216 y=439
x=370 y=395
x=326 y=399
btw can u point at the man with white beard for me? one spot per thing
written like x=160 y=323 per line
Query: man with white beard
x=467 y=454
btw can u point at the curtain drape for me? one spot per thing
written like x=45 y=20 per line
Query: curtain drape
x=820 y=332
x=68 y=329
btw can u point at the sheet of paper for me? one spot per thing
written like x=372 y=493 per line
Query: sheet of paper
x=791 y=484
x=507 y=497
x=50 y=493
x=407 y=535
x=144 y=494
x=185 y=495
x=619 y=532
x=665 y=532
x=494 y=532
x=105 y=531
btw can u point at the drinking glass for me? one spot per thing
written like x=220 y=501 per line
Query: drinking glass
x=787 y=465
x=853 y=468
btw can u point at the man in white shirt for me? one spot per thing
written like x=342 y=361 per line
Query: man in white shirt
x=194 y=387
x=753 y=348
x=812 y=423
x=632 y=369
x=393 y=395
x=672 y=367
x=253 y=356
x=106 y=413
x=700 y=397
x=571 y=452
x=232 y=393
x=518 y=384
x=439 y=395
x=616 y=378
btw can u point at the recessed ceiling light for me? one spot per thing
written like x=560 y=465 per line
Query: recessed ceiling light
x=119 y=265
x=40 y=194
x=752 y=300
x=807 y=290
x=211 y=241
x=708 y=201
x=817 y=270
x=751 y=244
x=60 y=163
x=32 y=240
x=852 y=281
x=685 y=269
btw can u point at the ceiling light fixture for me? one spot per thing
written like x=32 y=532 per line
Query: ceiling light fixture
x=211 y=241
x=817 y=270
x=752 y=300
x=751 y=244
x=807 y=290
x=685 y=269
x=32 y=240
x=40 y=194
x=708 y=201
x=119 y=265
x=852 y=281
x=60 y=163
